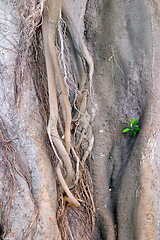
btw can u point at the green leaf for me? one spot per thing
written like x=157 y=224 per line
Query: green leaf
x=137 y=129
x=136 y=122
x=127 y=129
x=133 y=122
x=134 y=133
x=127 y=122
x=131 y=133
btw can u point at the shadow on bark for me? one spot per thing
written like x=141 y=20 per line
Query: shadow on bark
x=122 y=173
x=124 y=39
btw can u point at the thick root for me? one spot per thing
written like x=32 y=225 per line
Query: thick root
x=51 y=14
x=54 y=9
x=78 y=42
x=48 y=29
x=72 y=199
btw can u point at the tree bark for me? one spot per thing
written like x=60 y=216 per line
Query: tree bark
x=123 y=39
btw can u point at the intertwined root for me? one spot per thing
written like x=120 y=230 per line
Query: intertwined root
x=62 y=152
x=11 y=165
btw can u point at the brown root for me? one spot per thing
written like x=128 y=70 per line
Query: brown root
x=49 y=29
x=60 y=123
x=65 y=187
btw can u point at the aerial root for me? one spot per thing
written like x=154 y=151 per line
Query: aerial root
x=62 y=152
x=78 y=43
x=49 y=29
x=72 y=199
x=11 y=159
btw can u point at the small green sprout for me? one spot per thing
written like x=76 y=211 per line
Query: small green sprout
x=133 y=127
x=110 y=156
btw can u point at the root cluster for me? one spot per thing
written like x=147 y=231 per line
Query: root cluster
x=12 y=165
x=56 y=75
x=69 y=72
x=63 y=106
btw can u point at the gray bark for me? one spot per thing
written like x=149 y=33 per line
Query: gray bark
x=27 y=132
x=123 y=38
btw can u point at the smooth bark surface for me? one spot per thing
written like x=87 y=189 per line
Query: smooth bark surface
x=123 y=38
x=125 y=42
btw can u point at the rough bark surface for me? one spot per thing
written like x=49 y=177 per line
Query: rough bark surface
x=26 y=131
x=123 y=38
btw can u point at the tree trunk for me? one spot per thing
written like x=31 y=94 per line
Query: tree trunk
x=124 y=39
x=122 y=171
